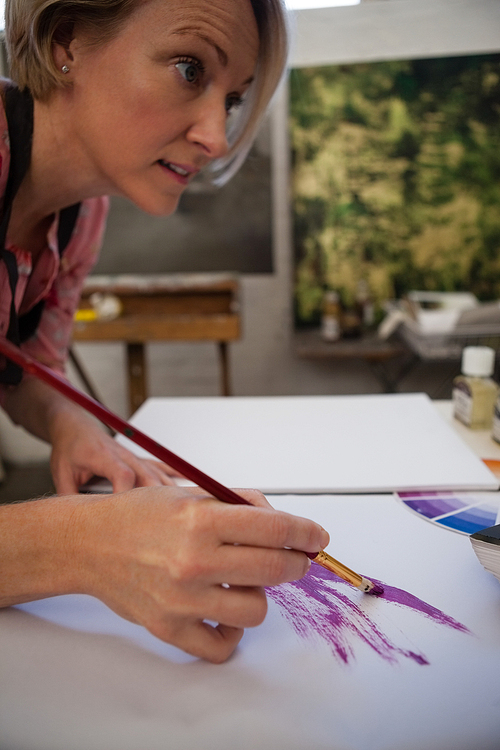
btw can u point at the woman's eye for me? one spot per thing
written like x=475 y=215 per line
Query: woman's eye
x=233 y=102
x=190 y=70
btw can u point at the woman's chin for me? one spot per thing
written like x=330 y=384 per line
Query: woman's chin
x=155 y=205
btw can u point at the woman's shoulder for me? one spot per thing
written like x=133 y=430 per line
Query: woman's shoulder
x=5 y=83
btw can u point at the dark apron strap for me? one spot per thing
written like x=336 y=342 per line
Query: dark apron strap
x=29 y=322
x=19 y=111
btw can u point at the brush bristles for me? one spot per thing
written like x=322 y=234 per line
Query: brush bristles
x=369 y=587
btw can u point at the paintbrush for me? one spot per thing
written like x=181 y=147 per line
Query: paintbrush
x=59 y=383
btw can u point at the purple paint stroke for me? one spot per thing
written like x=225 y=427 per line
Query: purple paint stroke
x=315 y=608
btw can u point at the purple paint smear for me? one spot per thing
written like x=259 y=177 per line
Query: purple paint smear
x=315 y=607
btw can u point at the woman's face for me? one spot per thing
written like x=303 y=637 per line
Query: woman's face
x=149 y=109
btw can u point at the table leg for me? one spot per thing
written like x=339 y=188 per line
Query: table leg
x=83 y=375
x=389 y=377
x=137 y=382
x=224 y=365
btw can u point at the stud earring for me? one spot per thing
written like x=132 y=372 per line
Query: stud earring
x=65 y=69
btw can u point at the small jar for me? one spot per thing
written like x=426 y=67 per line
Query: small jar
x=330 y=318
x=474 y=392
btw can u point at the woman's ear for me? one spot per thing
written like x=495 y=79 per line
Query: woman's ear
x=63 y=36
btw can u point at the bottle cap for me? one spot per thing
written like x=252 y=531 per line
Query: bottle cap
x=478 y=361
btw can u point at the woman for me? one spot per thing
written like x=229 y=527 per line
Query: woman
x=131 y=98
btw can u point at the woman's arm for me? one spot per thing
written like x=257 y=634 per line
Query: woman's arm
x=80 y=447
x=168 y=558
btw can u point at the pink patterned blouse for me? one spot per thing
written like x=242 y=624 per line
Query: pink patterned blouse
x=57 y=280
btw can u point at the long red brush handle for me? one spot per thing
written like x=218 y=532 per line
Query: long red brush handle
x=106 y=416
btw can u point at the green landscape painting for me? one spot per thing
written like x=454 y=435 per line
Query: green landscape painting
x=396 y=178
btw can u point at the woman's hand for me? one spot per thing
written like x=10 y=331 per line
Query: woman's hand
x=169 y=558
x=81 y=450
x=176 y=560
x=80 y=447
x=187 y=567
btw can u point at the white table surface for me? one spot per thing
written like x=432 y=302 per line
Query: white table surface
x=480 y=441
x=74 y=676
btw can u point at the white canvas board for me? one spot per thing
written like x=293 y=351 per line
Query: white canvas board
x=309 y=444
x=74 y=676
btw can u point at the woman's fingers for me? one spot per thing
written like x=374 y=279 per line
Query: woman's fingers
x=239 y=565
x=161 y=467
x=64 y=480
x=264 y=527
x=233 y=609
x=129 y=471
x=205 y=641
x=236 y=606
x=153 y=474
x=254 y=497
x=147 y=469
x=121 y=475
x=255 y=526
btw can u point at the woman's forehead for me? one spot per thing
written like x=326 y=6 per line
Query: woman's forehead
x=233 y=20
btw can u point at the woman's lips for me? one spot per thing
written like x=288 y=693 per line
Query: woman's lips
x=180 y=172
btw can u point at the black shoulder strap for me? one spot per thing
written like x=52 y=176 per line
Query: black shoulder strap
x=67 y=221
x=29 y=322
x=19 y=111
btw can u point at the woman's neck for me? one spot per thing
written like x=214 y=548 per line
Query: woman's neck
x=58 y=176
x=60 y=172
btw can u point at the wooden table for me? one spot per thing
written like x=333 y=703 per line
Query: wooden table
x=193 y=307
x=376 y=352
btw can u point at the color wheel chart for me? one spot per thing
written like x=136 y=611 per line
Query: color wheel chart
x=463 y=512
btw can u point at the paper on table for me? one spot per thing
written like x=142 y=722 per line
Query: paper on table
x=315 y=444
x=93 y=681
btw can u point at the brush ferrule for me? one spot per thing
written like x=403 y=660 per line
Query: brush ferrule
x=335 y=566
x=342 y=571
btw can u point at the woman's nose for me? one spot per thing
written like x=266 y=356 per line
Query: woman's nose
x=209 y=128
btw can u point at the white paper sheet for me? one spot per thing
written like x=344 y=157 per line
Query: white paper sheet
x=74 y=676
x=316 y=443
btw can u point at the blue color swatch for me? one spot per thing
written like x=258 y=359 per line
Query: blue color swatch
x=463 y=512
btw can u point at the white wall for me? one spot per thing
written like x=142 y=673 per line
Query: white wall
x=395 y=30
x=263 y=362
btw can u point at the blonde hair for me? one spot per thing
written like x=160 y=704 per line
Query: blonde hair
x=32 y=27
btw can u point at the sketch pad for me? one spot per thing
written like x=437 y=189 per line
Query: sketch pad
x=316 y=444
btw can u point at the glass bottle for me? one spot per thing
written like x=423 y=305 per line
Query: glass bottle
x=330 y=318
x=474 y=392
